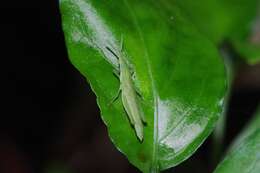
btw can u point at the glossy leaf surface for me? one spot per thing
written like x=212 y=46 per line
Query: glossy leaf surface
x=252 y=126
x=178 y=72
x=234 y=21
x=210 y=18
x=244 y=155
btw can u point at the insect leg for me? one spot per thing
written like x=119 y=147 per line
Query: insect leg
x=111 y=51
x=138 y=93
x=136 y=89
x=143 y=118
x=116 y=73
x=116 y=97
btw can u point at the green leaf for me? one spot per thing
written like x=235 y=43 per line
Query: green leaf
x=248 y=50
x=218 y=19
x=244 y=154
x=210 y=18
x=235 y=21
x=177 y=70
x=245 y=33
x=245 y=158
x=252 y=126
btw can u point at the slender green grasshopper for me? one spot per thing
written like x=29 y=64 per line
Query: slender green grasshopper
x=129 y=94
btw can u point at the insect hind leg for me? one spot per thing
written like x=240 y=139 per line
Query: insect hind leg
x=112 y=52
x=116 y=73
x=115 y=97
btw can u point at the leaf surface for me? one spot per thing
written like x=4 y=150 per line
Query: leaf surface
x=177 y=71
x=234 y=21
x=244 y=154
x=252 y=126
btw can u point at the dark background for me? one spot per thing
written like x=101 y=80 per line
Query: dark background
x=49 y=118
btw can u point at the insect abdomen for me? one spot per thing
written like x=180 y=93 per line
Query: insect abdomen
x=130 y=102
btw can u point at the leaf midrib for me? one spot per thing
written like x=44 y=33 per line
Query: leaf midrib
x=154 y=167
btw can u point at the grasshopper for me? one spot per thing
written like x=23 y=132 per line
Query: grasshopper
x=129 y=94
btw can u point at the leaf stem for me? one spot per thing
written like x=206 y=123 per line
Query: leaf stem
x=154 y=169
